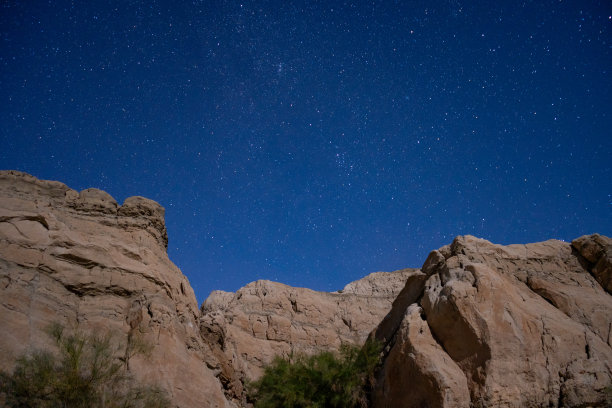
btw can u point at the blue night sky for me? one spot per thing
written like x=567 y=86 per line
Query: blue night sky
x=312 y=143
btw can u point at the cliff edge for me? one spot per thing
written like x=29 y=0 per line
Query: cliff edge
x=80 y=259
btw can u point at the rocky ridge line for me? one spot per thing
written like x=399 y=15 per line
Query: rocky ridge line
x=478 y=325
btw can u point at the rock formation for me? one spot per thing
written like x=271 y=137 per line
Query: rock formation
x=81 y=259
x=265 y=319
x=478 y=325
x=504 y=326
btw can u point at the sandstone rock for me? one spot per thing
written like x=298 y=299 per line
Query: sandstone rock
x=597 y=250
x=479 y=325
x=379 y=284
x=265 y=319
x=525 y=325
x=93 y=200
x=80 y=259
x=429 y=376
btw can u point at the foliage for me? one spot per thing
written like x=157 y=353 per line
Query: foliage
x=85 y=371
x=321 y=380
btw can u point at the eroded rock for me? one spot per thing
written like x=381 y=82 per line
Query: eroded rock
x=527 y=325
x=479 y=325
x=81 y=260
x=265 y=319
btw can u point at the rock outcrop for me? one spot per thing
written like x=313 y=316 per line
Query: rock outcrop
x=478 y=325
x=265 y=319
x=81 y=259
x=504 y=326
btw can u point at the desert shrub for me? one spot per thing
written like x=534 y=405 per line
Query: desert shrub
x=86 y=370
x=322 y=380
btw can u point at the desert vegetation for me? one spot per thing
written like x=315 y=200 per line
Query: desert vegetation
x=84 y=370
x=327 y=379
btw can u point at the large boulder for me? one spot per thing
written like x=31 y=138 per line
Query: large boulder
x=504 y=326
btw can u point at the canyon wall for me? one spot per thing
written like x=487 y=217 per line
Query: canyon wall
x=478 y=325
x=84 y=261
x=265 y=319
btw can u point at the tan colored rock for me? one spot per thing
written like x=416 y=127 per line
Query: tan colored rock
x=480 y=325
x=379 y=284
x=265 y=319
x=80 y=259
x=527 y=325
x=597 y=251
x=430 y=377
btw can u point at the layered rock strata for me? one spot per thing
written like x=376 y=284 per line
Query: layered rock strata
x=84 y=261
x=505 y=326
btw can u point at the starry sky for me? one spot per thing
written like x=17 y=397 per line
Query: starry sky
x=314 y=142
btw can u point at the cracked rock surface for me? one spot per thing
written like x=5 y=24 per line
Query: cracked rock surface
x=81 y=259
x=504 y=326
x=265 y=319
x=479 y=325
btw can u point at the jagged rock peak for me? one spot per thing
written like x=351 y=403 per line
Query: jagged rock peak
x=136 y=212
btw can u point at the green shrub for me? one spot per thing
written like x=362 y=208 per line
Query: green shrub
x=322 y=380
x=84 y=371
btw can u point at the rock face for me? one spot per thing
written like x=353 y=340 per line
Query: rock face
x=505 y=326
x=265 y=319
x=81 y=259
x=478 y=325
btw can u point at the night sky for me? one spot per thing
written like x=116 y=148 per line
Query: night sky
x=312 y=143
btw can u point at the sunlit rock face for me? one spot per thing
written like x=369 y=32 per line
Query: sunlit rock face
x=508 y=326
x=81 y=259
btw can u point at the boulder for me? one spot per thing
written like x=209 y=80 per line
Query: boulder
x=504 y=326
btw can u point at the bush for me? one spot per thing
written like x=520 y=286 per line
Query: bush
x=321 y=380
x=85 y=371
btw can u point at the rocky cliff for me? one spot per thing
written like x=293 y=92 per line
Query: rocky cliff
x=486 y=325
x=478 y=325
x=265 y=319
x=81 y=259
